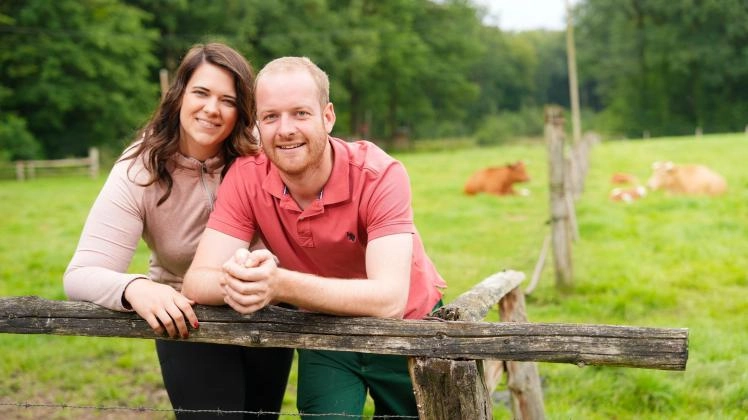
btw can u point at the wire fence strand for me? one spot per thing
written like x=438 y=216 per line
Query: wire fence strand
x=184 y=410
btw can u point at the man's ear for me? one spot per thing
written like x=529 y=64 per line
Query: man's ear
x=328 y=117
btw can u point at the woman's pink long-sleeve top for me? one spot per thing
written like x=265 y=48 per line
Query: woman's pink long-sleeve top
x=124 y=212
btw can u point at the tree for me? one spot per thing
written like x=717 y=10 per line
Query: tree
x=16 y=142
x=79 y=70
x=420 y=80
x=667 y=67
x=505 y=73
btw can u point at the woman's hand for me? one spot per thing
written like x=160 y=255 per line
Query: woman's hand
x=162 y=307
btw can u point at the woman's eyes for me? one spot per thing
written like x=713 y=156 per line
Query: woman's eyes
x=204 y=94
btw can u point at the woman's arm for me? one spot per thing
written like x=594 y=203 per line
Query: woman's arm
x=98 y=270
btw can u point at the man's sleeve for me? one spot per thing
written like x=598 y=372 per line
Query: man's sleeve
x=389 y=208
x=233 y=214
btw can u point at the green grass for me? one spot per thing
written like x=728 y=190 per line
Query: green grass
x=660 y=262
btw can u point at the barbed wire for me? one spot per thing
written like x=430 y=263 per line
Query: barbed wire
x=185 y=410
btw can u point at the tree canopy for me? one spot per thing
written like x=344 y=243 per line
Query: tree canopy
x=78 y=73
x=666 y=67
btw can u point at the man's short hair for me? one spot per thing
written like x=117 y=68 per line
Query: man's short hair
x=288 y=64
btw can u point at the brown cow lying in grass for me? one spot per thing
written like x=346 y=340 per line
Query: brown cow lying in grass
x=623 y=178
x=627 y=195
x=686 y=179
x=497 y=179
x=629 y=190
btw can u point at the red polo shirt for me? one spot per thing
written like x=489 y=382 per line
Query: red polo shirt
x=367 y=196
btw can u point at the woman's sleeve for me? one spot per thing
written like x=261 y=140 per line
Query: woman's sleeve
x=98 y=270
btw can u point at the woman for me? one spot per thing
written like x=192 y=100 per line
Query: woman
x=163 y=188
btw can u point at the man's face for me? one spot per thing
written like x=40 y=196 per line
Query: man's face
x=293 y=124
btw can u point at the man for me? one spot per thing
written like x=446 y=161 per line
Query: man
x=337 y=221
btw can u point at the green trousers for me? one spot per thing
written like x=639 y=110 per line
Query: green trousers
x=333 y=385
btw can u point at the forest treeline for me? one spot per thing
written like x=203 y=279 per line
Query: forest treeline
x=78 y=73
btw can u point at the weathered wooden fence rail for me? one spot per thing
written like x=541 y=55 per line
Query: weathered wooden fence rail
x=27 y=168
x=453 y=335
x=654 y=348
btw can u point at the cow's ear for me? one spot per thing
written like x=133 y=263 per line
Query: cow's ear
x=656 y=165
x=669 y=165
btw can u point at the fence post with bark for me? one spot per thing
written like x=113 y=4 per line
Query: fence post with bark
x=561 y=210
x=461 y=389
x=567 y=170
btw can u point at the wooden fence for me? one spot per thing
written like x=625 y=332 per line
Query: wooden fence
x=567 y=170
x=26 y=169
x=456 y=359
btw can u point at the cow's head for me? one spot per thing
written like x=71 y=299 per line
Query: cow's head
x=661 y=174
x=518 y=172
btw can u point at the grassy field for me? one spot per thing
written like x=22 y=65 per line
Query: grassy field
x=660 y=262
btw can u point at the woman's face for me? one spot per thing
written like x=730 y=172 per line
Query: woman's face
x=208 y=112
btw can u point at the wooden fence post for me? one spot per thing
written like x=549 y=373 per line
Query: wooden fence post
x=571 y=63
x=523 y=379
x=570 y=185
x=20 y=170
x=581 y=152
x=560 y=227
x=450 y=389
x=461 y=389
x=93 y=157
x=163 y=77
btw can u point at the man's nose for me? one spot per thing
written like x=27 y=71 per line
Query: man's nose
x=287 y=125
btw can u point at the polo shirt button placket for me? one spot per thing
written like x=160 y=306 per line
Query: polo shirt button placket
x=304 y=230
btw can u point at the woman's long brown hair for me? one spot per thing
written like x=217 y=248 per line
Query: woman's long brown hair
x=158 y=140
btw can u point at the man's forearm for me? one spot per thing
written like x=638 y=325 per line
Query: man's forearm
x=346 y=297
x=203 y=285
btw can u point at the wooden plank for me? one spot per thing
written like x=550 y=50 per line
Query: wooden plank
x=654 y=348
x=60 y=163
x=474 y=304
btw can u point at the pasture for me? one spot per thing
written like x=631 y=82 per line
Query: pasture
x=661 y=261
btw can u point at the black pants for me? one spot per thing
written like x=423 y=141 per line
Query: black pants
x=206 y=376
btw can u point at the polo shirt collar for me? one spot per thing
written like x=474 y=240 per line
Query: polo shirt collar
x=337 y=188
x=273 y=184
